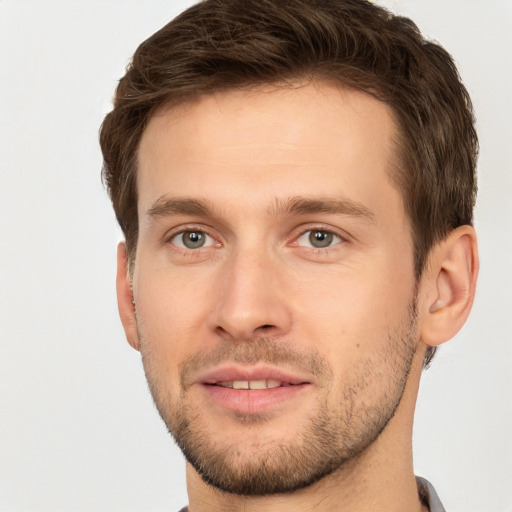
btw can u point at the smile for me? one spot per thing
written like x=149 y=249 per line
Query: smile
x=252 y=390
x=253 y=384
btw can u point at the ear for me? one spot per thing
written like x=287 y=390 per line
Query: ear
x=125 y=298
x=449 y=285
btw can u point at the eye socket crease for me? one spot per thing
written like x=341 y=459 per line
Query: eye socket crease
x=318 y=237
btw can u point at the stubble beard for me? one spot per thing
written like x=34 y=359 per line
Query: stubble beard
x=331 y=437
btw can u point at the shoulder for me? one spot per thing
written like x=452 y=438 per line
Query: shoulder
x=428 y=495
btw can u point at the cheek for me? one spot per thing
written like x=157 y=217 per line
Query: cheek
x=171 y=297
x=170 y=313
x=350 y=315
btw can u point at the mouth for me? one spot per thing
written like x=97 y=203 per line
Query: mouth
x=252 y=390
x=253 y=384
x=252 y=377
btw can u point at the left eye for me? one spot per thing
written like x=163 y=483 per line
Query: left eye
x=192 y=240
x=318 y=238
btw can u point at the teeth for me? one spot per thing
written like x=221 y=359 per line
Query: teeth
x=258 y=384
x=252 y=384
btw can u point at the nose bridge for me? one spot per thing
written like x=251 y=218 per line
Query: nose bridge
x=251 y=298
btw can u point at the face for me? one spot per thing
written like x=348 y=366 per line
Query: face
x=273 y=282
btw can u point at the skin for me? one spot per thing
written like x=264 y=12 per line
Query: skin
x=258 y=286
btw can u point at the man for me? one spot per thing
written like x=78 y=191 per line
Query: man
x=295 y=181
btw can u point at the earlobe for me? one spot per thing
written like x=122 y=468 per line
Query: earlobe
x=450 y=288
x=125 y=298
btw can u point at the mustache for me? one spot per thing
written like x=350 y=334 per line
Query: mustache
x=258 y=350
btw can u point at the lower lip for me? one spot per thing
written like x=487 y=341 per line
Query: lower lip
x=246 y=401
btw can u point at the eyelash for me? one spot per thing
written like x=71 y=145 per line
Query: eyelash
x=191 y=229
x=195 y=229
x=321 y=229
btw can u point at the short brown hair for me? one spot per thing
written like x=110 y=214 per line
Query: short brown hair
x=218 y=45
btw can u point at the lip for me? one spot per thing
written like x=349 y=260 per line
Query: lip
x=248 y=373
x=252 y=401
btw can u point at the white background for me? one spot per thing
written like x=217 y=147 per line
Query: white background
x=78 y=431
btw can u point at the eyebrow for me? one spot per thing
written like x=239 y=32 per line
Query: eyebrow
x=168 y=207
x=326 y=205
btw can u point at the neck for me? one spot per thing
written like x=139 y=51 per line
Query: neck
x=381 y=478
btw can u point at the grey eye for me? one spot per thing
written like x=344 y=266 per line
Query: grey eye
x=318 y=239
x=192 y=240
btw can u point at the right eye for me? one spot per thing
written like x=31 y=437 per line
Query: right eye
x=192 y=239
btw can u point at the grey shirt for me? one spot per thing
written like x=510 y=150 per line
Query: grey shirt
x=426 y=491
x=429 y=496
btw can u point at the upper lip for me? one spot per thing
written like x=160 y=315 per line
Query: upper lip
x=229 y=373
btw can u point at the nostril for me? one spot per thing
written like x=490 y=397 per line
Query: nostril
x=266 y=326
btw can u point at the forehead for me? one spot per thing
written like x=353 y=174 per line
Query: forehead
x=273 y=142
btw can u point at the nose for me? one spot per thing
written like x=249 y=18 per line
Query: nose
x=251 y=298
